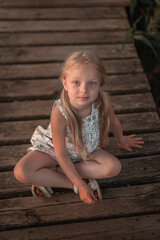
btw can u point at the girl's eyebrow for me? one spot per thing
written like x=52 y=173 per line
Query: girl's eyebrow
x=93 y=80
x=74 y=79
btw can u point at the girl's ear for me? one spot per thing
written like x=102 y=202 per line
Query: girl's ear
x=64 y=83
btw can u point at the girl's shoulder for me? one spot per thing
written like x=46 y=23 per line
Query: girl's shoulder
x=59 y=105
x=57 y=112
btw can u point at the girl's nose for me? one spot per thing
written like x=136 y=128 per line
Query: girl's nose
x=83 y=89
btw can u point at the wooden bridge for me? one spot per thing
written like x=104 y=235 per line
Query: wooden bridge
x=35 y=36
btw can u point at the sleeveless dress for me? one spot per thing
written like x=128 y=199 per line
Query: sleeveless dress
x=41 y=139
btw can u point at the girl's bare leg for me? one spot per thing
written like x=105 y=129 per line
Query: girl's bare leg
x=101 y=165
x=35 y=168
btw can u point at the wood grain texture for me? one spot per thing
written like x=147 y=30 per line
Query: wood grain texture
x=54 y=54
x=62 y=13
x=55 y=38
x=116 y=202
x=118 y=228
x=62 y=25
x=62 y=3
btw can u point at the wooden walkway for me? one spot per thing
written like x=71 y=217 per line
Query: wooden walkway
x=35 y=36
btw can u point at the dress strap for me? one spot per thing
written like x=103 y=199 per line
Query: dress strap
x=58 y=102
x=94 y=112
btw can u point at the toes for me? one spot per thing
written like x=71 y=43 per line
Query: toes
x=39 y=193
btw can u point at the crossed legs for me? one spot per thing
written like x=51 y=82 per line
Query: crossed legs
x=35 y=168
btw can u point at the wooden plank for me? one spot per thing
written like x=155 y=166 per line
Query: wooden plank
x=20 y=131
x=50 y=70
x=21 y=110
x=128 y=83
x=62 y=3
x=63 y=25
x=19 y=128
x=83 y=37
x=62 y=13
x=48 y=88
x=139 y=170
x=136 y=103
x=10 y=154
x=55 y=54
x=124 y=201
x=137 y=227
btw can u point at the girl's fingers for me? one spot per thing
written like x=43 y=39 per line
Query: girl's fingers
x=91 y=199
x=136 y=142
x=138 y=146
x=136 y=138
x=94 y=197
x=135 y=145
x=132 y=135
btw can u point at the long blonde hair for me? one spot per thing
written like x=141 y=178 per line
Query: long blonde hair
x=102 y=102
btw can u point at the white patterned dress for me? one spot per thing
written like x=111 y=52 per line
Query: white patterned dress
x=42 y=138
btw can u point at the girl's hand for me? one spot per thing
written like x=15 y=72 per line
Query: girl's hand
x=86 y=194
x=128 y=142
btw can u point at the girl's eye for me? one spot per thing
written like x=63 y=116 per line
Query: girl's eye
x=76 y=83
x=92 y=83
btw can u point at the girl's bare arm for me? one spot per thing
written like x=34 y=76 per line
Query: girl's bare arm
x=58 y=125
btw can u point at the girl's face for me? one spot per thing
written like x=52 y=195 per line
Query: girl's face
x=82 y=85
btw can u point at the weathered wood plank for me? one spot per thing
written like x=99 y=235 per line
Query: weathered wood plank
x=62 y=25
x=21 y=110
x=62 y=3
x=20 y=131
x=136 y=103
x=83 y=37
x=128 y=83
x=124 y=201
x=54 y=54
x=12 y=90
x=137 y=170
x=9 y=155
x=137 y=227
x=62 y=13
x=50 y=70
x=48 y=88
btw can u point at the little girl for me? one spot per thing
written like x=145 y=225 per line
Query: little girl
x=68 y=153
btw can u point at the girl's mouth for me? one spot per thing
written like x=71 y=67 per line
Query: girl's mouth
x=83 y=98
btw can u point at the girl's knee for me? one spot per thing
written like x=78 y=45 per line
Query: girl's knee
x=22 y=173
x=18 y=173
x=116 y=167
x=112 y=167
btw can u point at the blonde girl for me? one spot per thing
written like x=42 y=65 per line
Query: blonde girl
x=68 y=153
